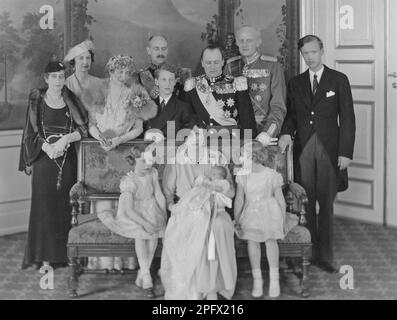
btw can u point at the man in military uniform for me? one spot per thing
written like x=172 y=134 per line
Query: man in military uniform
x=265 y=81
x=157 y=50
x=219 y=100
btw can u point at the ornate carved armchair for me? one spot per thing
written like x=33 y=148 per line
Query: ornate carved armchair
x=99 y=175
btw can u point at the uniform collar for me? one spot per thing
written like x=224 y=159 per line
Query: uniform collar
x=252 y=59
x=213 y=80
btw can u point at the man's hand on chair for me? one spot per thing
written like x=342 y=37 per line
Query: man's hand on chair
x=284 y=141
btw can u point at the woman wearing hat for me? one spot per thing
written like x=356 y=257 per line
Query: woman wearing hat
x=55 y=120
x=80 y=58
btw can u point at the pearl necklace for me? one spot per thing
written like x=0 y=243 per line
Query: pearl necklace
x=53 y=101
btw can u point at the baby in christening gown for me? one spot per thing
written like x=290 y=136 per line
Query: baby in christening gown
x=214 y=183
x=188 y=230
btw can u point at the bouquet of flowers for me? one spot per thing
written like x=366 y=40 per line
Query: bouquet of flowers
x=141 y=103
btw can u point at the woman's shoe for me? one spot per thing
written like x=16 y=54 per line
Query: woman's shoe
x=257 y=288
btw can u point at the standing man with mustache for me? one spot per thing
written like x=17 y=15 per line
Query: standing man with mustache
x=157 y=50
x=266 y=83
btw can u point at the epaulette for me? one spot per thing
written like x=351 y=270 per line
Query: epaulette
x=233 y=59
x=229 y=77
x=201 y=76
x=268 y=58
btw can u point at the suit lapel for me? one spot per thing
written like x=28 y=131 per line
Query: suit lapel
x=306 y=89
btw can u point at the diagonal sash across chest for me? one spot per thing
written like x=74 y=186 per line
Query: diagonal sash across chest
x=211 y=105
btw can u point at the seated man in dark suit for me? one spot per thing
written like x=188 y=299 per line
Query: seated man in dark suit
x=173 y=114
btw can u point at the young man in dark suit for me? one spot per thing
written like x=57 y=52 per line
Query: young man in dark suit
x=171 y=110
x=320 y=118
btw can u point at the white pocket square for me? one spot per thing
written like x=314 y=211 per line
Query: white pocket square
x=330 y=94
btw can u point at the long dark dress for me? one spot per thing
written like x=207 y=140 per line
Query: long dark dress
x=50 y=218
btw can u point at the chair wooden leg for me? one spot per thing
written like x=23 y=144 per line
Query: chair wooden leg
x=73 y=283
x=305 y=277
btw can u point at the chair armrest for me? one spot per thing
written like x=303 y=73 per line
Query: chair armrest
x=76 y=194
x=296 y=199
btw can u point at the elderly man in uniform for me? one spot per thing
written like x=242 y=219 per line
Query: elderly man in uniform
x=157 y=50
x=217 y=99
x=265 y=81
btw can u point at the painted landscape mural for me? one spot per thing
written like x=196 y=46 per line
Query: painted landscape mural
x=116 y=27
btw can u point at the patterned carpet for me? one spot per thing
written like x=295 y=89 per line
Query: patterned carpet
x=371 y=251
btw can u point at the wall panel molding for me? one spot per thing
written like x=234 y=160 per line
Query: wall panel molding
x=354 y=24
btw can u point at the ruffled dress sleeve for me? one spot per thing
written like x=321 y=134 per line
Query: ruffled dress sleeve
x=127 y=184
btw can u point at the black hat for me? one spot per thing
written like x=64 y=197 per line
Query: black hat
x=54 y=66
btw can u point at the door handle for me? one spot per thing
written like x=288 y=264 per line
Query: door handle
x=392 y=75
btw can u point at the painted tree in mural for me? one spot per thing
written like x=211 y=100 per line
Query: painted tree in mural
x=10 y=43
x=282 y=36
x=81 y=21
x=222 y=22
x=42 y=45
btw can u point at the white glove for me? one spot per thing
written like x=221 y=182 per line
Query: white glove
x=266 y=140
x=190 y=84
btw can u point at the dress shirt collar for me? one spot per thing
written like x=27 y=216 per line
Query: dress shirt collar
x=319 y=73
x=166 y=99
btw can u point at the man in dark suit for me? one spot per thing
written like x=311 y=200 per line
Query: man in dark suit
x=320 y=117
x=217 y=99
x=173 y=114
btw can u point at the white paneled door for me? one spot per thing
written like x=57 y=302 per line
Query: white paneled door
x=391 y=85
x=353 y=32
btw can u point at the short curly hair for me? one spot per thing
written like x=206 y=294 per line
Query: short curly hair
x=166 y=67
x=120 y=62
x=135 y=153
x=259 y=153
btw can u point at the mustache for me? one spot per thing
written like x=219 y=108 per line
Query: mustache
x=161 y=56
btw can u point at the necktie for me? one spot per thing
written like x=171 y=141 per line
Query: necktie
x=162 y=105
x=315 y=84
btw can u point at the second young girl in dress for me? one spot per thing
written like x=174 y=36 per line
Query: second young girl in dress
x=141 y=214
x=259 y=213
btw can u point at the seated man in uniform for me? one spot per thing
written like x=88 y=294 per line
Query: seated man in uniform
x=219 y=100
x=157 y=50
x=173 y=114
x=266 y=83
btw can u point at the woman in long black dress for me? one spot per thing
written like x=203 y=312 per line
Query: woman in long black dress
x=55 y=120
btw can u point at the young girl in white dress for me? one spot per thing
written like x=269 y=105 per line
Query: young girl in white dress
x=141 y=214
x=259 y=212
